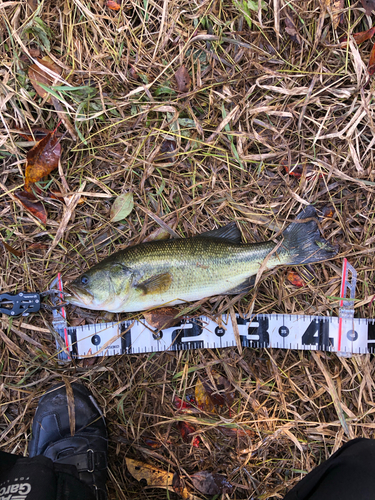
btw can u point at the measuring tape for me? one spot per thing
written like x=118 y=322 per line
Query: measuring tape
x=344 y=334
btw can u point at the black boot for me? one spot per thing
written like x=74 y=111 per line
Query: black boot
x=87 y=449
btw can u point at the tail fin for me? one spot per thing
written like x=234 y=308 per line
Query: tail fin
x=303 y=242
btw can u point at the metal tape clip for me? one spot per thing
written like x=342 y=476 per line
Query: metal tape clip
x=346 y=310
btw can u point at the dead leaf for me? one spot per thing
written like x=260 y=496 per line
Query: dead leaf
x=167 y=151
x=225 y=387
x=204 y=402
x=337 y=7
x=368 y=5
x=151 y=443
x=13 y=251
x=159 y=234
x=295 y=279
x=38 y=76
x=42 y=159
x=122 y=207
x=360 y=37
x=208 y=397
x=328 y=211
x=40 y=246
x=236 y=431
x=291 y=29
x=187 y=407
x=34 y=52
x=186 y=429
x=111 y=4
x=371 y=63
x=209 y=483
x=35 y=133
x=32 y=204
x=155 y=478
x=183 y=79
x=164 y=317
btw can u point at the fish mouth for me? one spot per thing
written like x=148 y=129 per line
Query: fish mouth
x=78 y=296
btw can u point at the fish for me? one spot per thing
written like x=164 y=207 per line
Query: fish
x=175 y=271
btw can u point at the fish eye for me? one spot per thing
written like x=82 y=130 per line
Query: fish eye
x=84 y=280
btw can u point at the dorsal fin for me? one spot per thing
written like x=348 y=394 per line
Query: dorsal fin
x=230 y=232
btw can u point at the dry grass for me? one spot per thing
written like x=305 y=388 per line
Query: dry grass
x=259 y=100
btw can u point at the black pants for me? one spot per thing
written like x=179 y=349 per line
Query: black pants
x=348 y=475
x=39 y=478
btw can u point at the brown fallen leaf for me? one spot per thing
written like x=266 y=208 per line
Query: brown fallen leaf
x=38 y=76
x=41 y=246
x=32 y=204
x=368 y=5
x=13 y=251
x=371 y=63
x=236 y=431
x=209 y=483
x=209 y=397
x=155 y=478
x=111 y=4
x=203 y=399
x=164 y=317
x=183 y=79
x=42 y=159
x=360 y=37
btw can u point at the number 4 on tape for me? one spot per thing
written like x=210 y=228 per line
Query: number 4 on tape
x=347 y=333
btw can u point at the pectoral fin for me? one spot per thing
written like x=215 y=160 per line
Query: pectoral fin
x=159 y=283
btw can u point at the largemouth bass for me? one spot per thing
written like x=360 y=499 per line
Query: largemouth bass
x=171 y=272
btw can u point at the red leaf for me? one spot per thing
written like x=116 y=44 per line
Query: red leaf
x=371 y=63
x=183 y=79
x=186 y=429
x=360 y=37
x=295 y=279
x=42 y=159
x=111 y=4
x=180 y=404
x=32 y=204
